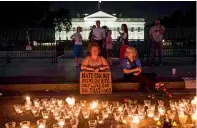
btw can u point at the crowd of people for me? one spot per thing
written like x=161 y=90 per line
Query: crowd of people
x=101 y=52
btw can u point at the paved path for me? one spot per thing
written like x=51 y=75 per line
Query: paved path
x=66 y=68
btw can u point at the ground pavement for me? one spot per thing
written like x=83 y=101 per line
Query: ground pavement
x=66 y=69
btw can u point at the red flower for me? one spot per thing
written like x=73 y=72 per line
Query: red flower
x=126 y=100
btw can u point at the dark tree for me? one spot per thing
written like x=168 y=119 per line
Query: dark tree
x=23 y=14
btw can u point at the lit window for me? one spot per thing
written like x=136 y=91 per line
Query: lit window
x=138 y=29
x=132 y=29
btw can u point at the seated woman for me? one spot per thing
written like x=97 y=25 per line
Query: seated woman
x=132 y=71
x=94 y=62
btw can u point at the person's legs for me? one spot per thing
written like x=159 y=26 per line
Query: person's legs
x=153 y=52
x=122 y=52
x=144 y=81
x=160 y=52
x=76 y=52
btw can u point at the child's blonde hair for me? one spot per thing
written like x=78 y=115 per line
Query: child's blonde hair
x=133 y=50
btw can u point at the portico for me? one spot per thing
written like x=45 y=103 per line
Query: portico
x=135 y=26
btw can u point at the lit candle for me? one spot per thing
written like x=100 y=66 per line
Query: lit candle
x=27 y=106
x=61 y=122
x=136 y=119
x=70 y=101
x=45 y=117
x=124 y=121
x=194 y=117
x=158 y=123
x=174 y=124
x=27 y=98
x=93 y=105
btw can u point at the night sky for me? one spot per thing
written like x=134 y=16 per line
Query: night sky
x=133 y=9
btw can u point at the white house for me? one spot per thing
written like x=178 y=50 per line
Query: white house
x=135 y=26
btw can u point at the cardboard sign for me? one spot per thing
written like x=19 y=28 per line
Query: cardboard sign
x=95 y=83
x=190 y=82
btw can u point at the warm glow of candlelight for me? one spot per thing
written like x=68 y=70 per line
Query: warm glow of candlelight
x=70 y=101
x=174 y=124
x=61 y=123
x=27 y=98
x=194 y=117
x=136 y=119
x=94 y=105
x=158 y=123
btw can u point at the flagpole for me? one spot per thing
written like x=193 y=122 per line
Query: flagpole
x=99 y=6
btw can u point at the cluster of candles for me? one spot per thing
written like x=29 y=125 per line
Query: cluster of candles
x=124 y=113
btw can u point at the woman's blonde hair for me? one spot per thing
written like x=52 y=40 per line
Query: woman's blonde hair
x=133 y=50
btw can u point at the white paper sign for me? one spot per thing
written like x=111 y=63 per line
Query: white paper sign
x=190 y=82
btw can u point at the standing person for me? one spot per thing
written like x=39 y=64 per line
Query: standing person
x=156 y=36
x=99 y=35
x=109 y=47
x=104 y=42
x=78 y=47
x=123 y=41
x=90 y=35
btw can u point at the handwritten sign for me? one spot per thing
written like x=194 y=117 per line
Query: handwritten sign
x=190 y=82
x=95 y=83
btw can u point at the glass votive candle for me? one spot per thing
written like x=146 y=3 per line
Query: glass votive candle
x=18 y=108
x=115 y=104
x=36 y=102
x=133 y=108
x=120 y=108
x=27 y=106
x=41 y=123
x=160 y=102
x=74 y=122
x=194 y=118
x=25 y=124
x=105 y=114
x=53 y=100
x=156 y=117
x=182 y=118
x=57 y=126
x=61 y=121
x=94 y=105
x=45 y=114
x=10 y=125
x=136 y=119
x=141 y=108
x=152 y=107
x=161 y=110
x=150 y=113
x=172 y=105
x=92 y=123
x=86 y=114
x=100 y=119
x=124 y=119
x=35 y=111
x=147 y=103
x=83 y=103
x=104 y=104
x=142 y=115
x=117 y=116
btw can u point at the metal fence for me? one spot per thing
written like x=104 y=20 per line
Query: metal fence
x=14 y=44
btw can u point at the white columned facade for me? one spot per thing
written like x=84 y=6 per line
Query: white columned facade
x=135 y=26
